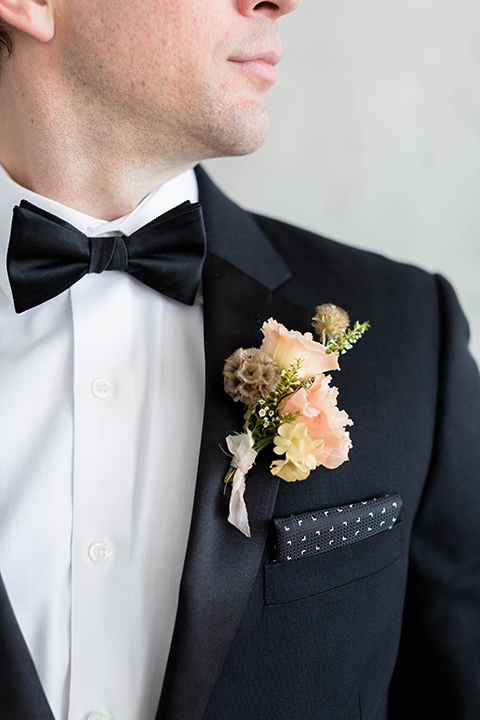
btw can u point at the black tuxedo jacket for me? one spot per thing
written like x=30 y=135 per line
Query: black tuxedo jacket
x=386 y=628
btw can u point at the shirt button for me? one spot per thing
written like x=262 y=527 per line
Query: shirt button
x=100 y=552
x=101 y=388
x=97 y=715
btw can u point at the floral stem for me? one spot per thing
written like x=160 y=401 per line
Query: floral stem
x=229 y=476
x=263 y=444
x=247 y=418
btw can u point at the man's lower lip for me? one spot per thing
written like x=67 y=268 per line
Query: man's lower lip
x=263 y=70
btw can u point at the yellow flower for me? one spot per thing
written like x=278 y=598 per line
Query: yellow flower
x=288 y=470
x=293 y=441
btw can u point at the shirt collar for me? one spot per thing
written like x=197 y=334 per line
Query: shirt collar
x=164 y=198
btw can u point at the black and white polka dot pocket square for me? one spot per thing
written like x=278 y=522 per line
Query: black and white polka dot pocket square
x=319 y=531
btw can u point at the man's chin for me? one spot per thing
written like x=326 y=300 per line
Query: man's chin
x=251 y=144
x=245 y=134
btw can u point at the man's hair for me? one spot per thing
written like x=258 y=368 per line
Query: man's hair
x=5 y=39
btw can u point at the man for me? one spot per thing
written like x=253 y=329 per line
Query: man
x=126 y=594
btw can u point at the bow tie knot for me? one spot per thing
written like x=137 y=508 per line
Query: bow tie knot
x=108 y=253
x=47 y=255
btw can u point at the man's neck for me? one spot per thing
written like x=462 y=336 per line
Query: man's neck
x=100 y=168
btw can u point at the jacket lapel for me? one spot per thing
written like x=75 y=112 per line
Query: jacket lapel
x=21 y=693
x=221 y=564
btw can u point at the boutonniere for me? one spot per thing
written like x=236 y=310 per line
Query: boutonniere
x=289 y=401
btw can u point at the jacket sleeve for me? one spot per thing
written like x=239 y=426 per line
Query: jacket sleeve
x=438 y=668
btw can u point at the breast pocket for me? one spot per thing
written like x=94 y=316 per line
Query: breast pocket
x=306 y=577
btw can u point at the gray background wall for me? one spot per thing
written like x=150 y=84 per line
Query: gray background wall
x=375 y=135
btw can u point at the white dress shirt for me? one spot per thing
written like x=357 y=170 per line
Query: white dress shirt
x=101 y=404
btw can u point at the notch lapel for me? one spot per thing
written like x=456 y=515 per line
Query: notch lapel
x=221 y=564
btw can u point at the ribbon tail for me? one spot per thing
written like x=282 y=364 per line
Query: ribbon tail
x=238 y=515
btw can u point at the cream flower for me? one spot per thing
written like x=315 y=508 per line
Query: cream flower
x=293 y=441
x=287 y=346
x=289 y=470
x=322 y=419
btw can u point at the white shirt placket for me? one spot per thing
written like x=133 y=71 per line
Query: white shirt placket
x=103 y=485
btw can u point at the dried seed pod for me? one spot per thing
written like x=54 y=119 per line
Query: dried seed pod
x=329 y=322
x=250 y=375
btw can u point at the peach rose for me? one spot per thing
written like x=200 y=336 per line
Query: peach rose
x=287 y=346
x=319 y=412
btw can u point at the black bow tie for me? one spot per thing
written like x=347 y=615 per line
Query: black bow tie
x=47 y=255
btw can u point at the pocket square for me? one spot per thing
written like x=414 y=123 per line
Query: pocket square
x=319 y=531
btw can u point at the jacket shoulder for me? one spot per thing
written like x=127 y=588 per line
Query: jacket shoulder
x=326 y=270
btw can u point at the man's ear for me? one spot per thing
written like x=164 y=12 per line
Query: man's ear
x=34 y=17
